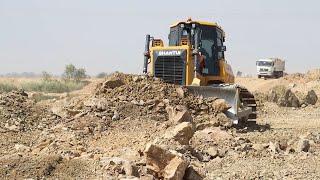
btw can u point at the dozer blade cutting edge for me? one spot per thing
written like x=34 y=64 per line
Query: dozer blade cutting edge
x=231 y=94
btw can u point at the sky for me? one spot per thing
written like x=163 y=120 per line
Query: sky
x=107 y=36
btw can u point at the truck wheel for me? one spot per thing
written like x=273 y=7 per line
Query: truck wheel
x=281 y=74
x=259 y=76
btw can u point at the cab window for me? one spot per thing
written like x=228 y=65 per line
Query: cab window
x=219 y=44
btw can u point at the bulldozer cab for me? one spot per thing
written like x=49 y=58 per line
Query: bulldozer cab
x=206 y=38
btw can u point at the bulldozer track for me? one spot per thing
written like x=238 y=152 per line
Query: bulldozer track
x=248 y=99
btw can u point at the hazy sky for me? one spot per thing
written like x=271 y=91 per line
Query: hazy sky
x=101 y=35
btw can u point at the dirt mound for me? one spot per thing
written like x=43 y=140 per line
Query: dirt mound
x=313 y=75
x=19 y=113
x=287 y=97
x=123 y=96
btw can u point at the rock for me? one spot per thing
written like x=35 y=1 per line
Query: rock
x=224 y=120
x=204 y=125
x=129 y=178
x=192 y=174
x=12 y=128
x=21 y=148
x=214 y=134
x=274 y=147
x=283 y=145
x=201 y=156
x=141 y=103
x=244 y=147
x=147 y=177
x=157 y=158
x=259 y=147
x=289 y=99
x=112 y=83
x=272 y=96
x=220 y=105
x=164 y=163
x=121 y=165
x=179 y=114
x=136 y=78
x=41 y=146
x=175 y=170
x=303 y=145
x=115 y=116
x=213 y=152
x=311 y=98
x=180 y=92
x=182 y=133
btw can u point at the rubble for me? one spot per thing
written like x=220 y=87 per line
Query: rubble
x=20 y=113
x=138 y=127
x=178 y=114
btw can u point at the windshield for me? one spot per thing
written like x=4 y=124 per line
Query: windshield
x=264 y=63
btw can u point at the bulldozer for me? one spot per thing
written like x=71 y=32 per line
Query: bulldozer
x=195 y=59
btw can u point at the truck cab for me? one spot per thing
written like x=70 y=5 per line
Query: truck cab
x=270 y=68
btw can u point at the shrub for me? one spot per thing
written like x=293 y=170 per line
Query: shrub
x=6 y=87
x=46 y=76
x=53 y=86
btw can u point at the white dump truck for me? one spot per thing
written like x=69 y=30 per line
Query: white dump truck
x=270 y=68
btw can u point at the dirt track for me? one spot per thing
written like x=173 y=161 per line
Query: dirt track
x=77 y=147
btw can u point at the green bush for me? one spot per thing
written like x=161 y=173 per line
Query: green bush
x=73 y=73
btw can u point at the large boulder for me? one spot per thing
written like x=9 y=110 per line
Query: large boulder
x=192 y=174
x=289 y=99
x=176 y=168
x=311 y=98
x=220 y=105
x=165 y=164
x=112 y=83
x=179 y=114
x=182 y=133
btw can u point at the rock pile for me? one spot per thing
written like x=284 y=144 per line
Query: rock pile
x=285 y=97
x=19 y=113
x=123 y=96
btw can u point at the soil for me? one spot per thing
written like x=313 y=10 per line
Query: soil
x=75 y=135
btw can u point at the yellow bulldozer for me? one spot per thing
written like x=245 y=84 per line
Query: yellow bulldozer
x=195 y=59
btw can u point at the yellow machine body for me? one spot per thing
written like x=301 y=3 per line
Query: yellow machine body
x=225 y=71
x=194 y=58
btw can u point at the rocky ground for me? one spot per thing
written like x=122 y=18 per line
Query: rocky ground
x=134 y=127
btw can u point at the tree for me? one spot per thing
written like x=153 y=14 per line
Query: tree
x=69 y=72
x=80 y=74
x=72 y=73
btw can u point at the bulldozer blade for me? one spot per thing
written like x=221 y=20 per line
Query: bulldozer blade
x=230 y=93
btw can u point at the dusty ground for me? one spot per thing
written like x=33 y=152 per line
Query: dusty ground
x=79 y=143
